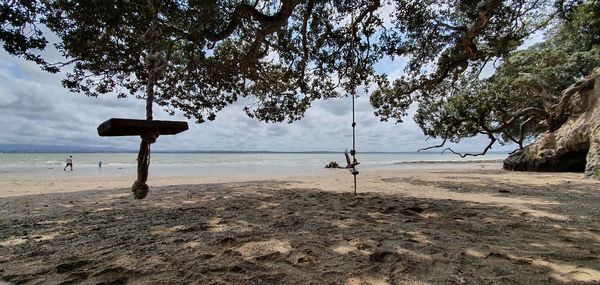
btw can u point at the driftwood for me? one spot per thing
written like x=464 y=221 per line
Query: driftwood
x=332 y=164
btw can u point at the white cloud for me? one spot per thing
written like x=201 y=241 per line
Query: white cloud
x=36 y=109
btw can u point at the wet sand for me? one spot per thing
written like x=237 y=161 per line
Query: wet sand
x=473 y=224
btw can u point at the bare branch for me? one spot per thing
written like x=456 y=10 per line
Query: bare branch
x=434 y=146
x=270 y=25
x=309 y=8
x=488 y=147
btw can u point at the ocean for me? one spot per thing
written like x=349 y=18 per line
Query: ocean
x=48 y=165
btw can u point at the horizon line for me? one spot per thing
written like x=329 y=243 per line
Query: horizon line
x=232 y=151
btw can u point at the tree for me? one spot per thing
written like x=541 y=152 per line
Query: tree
x=198 y=56
x=524 y=97
x=282 y=53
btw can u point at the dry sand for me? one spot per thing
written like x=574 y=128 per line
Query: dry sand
x=474 y=225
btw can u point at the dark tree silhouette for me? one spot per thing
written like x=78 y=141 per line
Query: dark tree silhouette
x=198 y=56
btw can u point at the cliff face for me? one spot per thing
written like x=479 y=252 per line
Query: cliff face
x=575 y=146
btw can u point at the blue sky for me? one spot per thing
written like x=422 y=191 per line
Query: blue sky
x=36 y=109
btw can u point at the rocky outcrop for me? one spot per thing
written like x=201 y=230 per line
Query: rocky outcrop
x=575 y=146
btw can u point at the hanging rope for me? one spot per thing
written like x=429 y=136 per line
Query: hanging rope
x=353 y=151
x=156 y=66
x=353 y=93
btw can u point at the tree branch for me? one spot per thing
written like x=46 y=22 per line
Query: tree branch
x=434 y=146
x=537 y=112
x=488 y=147
x=465 y=44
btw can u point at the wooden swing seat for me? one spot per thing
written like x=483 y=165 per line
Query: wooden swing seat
x=132 y=127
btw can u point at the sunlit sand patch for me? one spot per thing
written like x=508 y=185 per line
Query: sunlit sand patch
x=21 y=240
x=243 y=226
x=191 y=244
x=218 y=225
x=102 y=210
x=113 y=196
x=265 y=195
x=126 y=261
x=490 y=220
x=430 y=215
x=352 y=246
x=344 y=248
x=441 y=193
x=167 y=231
x=560 y=272
x=344 y=224
x=368 y=280
x=521 y=178
x=379 y=218
x=46 y=237
x=474 y=253
x=584 y=235
x=569 y=273
x=544 y=214
x=419 y=237
x=268 y=205
x=13 y=241
x=262 y=248
x=376 y=215
x=204 y=199
x=413 y=255
x=57 y=222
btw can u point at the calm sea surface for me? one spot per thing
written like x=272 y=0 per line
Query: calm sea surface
x=48 y=165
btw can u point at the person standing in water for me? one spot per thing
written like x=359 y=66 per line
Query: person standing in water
x=69 y=163
x=100 y=164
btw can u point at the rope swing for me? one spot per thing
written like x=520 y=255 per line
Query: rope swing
x=354 y=162
x=353 y=151
x=156 y=66
x=149 y=130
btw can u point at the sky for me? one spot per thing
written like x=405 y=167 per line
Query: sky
x=36 y=109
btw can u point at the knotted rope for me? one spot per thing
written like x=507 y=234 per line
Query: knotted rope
x=140 y=188
x=156 y=66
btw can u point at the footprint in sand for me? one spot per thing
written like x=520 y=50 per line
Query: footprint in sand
x=384 y=257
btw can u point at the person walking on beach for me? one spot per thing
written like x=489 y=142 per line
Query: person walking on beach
x=69 y=163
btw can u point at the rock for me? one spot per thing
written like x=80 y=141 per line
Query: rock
x=332 y=164
x=575 y=146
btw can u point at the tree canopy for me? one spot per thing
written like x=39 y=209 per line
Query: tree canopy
x=282 y=54
x=524 y=97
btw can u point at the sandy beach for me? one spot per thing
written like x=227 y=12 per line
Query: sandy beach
x=467 y=224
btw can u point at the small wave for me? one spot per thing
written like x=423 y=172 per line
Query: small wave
x=449 y=161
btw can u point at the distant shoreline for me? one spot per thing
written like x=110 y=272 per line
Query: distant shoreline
x=450 y=161
x=236 y=152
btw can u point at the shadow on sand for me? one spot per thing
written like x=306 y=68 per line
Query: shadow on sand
x=266 y=232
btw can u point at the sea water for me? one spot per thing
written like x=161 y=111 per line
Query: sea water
x=48 y=165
